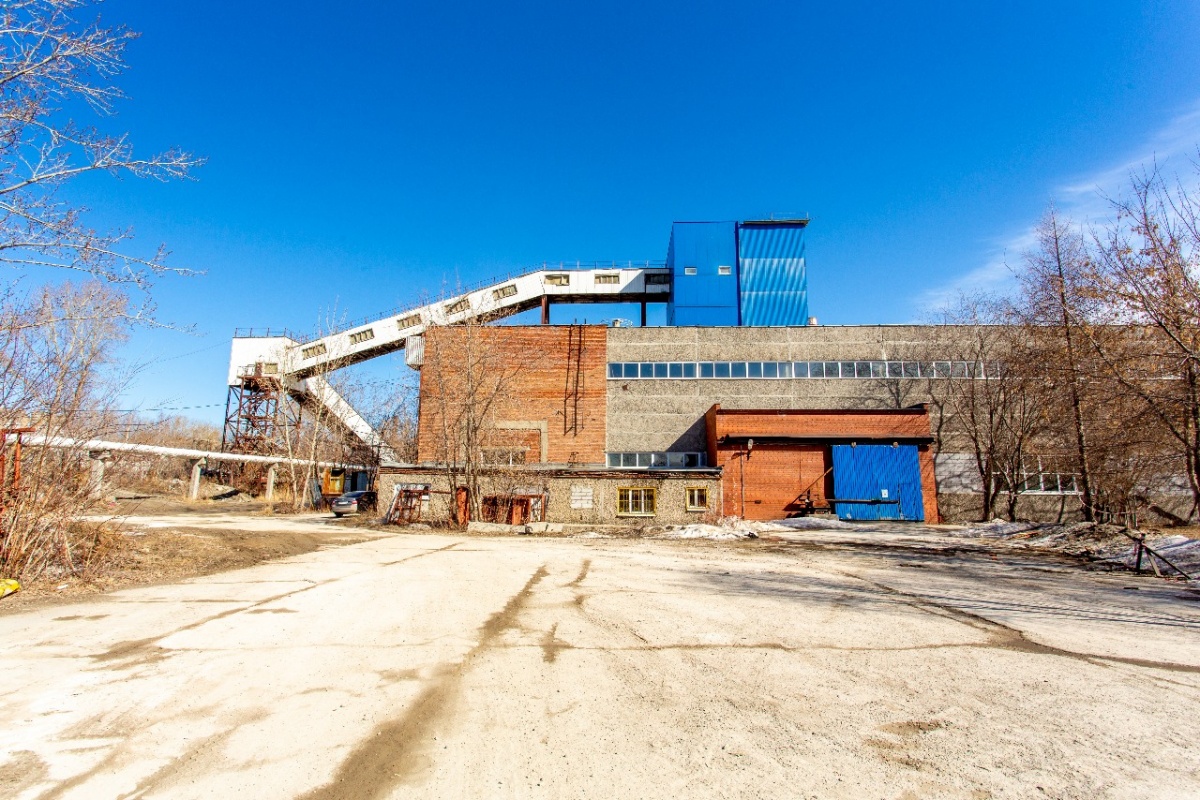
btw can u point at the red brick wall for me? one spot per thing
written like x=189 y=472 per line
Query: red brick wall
x=550 y=373
x=768 y=483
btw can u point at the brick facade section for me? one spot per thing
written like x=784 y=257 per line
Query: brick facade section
x=553 y=374
x=769 y=484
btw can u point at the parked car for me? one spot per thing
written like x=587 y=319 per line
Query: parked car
x=352 y=503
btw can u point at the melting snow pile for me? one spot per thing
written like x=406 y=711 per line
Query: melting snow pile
x=701 y=531
x=996 y=529
x=735 y=528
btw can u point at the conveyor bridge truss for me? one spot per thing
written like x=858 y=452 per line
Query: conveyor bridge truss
x=301 y=364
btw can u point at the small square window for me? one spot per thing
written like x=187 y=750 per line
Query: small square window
x=894 y=369
x=559 y=279
x=755 y=369
x=675 y=370
x=615 y=371
x=770 y=370
x=722 y=368
x=689 y=369
x=911 y=369
x=832 y=371
x=608 y=280
x=631 y=370
x=697 y=498
x=724 y=270
x=629 y=459
x=645 y=370
x=847 y=370
x=693 y=460
x=800 y=369
x=878 y=369
x=816 y=369
x=689 y=270
x=785 y=369
x=737 y=369
x=706 y=369
x=660 y=370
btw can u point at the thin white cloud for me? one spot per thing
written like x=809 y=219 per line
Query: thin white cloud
x=1082 y=199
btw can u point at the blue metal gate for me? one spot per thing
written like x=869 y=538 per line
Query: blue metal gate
x=878 y=472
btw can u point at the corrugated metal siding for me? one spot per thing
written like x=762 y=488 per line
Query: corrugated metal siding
x=706 y=298
x=866 y=472
x=774 y=282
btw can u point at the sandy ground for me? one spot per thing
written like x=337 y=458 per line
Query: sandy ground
x=824 y=665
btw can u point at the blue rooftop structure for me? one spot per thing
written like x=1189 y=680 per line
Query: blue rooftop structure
x=749 y=273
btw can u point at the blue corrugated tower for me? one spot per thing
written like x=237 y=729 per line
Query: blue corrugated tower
x=738 y=273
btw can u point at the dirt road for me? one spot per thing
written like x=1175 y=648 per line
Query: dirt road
x=437 y=666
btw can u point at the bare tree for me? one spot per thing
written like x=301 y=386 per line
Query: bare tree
x=56 y=355
x=1054 y=306
x=50 y=60
x=987 y=398
x=1145 y=281
x=466 y=379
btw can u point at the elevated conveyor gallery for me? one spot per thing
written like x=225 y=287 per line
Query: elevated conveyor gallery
x=300 y=365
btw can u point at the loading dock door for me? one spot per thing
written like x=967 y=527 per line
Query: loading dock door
x=878 y=472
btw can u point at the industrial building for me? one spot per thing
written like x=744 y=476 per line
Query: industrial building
x=741 y=405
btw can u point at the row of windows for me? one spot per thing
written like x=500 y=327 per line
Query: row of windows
x=1039 y=478
x=658 y=460
x=643 y=502
x=653 y=279
x=1048 y=483
x=774 y=370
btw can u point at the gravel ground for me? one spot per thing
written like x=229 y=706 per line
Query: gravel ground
x=833 y=664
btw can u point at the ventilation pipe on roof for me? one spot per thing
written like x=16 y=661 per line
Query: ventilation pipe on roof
x=812 y=321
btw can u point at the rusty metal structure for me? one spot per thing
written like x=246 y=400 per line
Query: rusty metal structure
x=10 y=473
x=258 y=413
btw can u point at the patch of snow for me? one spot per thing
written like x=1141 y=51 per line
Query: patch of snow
x=996 y=529
x=701 y=531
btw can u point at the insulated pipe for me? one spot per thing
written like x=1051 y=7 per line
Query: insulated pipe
x=63 y=442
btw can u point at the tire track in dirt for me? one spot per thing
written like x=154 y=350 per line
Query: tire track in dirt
x=395 y=750
x=1005 y=637
x=142 y=650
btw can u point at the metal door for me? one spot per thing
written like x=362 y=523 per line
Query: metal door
x=874 y=472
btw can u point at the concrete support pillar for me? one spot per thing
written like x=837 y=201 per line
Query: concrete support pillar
x=643 y=314
x=545 y=309
x=96 y=480
x=269 y=494
x=194 y=488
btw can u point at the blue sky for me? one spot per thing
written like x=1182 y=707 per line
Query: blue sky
x=362 y=155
